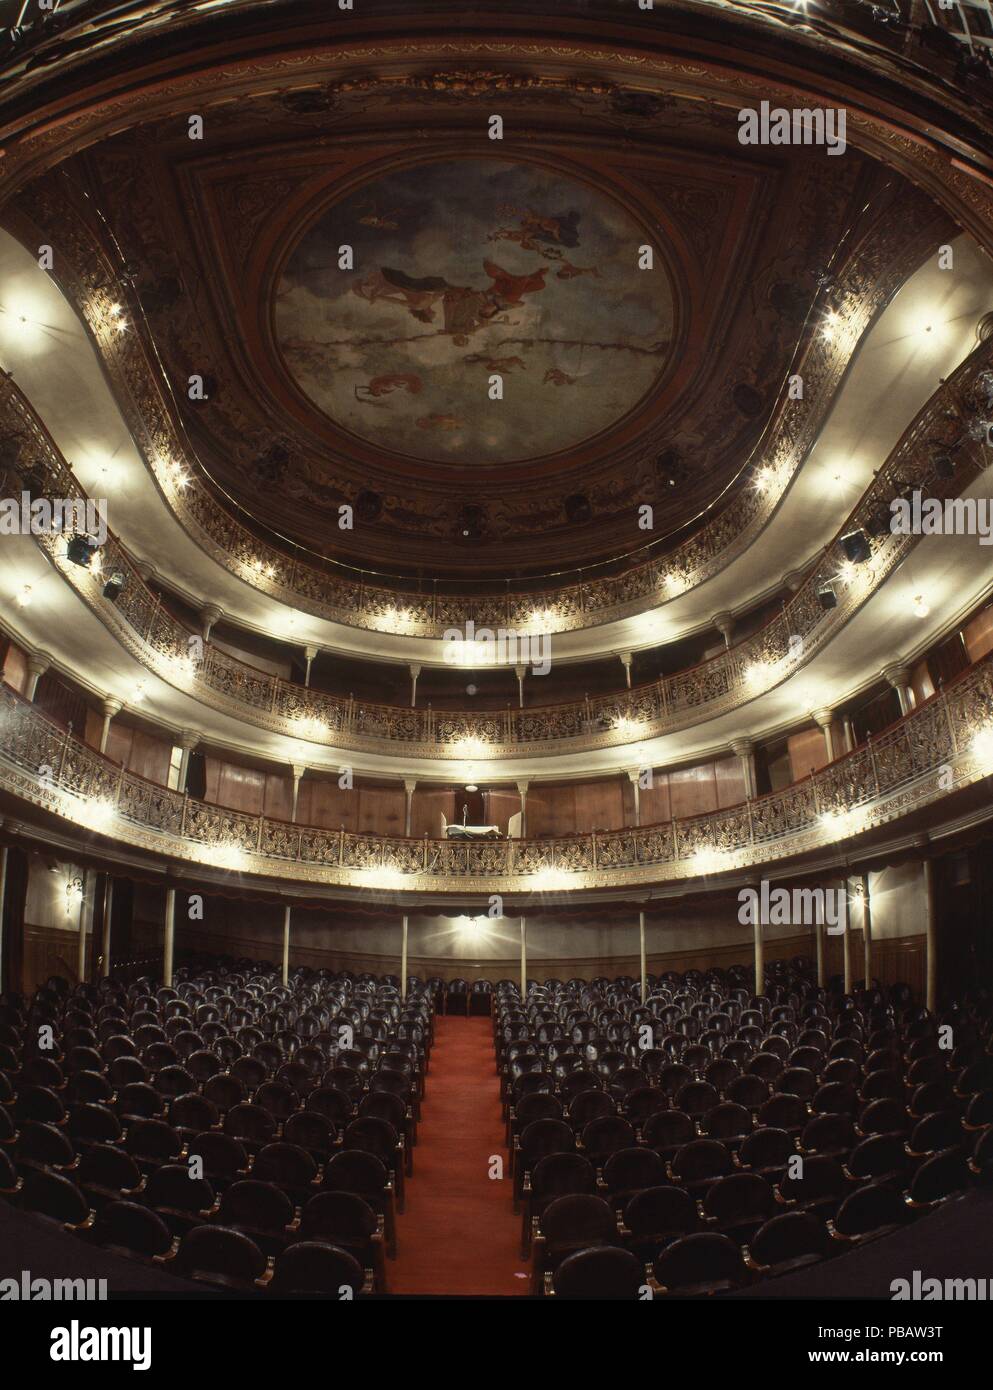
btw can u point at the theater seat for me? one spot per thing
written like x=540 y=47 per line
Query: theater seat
x=315 y=1268
x=218 y=1256
x=702 y=1263
x=607 y=1272
x=787 y=1242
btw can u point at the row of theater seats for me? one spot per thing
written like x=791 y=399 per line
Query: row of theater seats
x=229 y=1129
x=710 y=1137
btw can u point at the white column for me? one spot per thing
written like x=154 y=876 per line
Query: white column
x=409 y=783
x=745 y=750
x=37 y=666
x=634 y=777
x=110 y=708
x=626 y=663
x=106 y=942
x=297 y=772
x=415 y=671
x=819 y=949
x=286 y=944
x=824 y=718
x=758 y=944
x=866 y=931
x=724 y=624
x=168 y=936
x=846 y=940
x=403 y=958
x=309 y=654
x=644 y=959
x=86 y=907
x=210 y=614
x=522 y=788
x=931 y=935
x=520 y=672
x=524 y=957
x=188 y=740
x=899 y=678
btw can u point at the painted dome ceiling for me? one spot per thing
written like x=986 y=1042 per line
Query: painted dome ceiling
x=464 y=270
x=369 y=384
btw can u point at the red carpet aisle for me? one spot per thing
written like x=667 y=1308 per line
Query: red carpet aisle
x=459 y=1234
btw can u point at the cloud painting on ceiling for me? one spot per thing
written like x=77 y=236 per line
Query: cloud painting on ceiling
x=465 y=270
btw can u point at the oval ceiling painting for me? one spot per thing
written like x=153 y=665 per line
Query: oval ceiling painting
x=466 y=271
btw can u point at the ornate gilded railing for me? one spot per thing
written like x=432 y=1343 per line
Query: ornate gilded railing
x=947 y=425
x=944 y=745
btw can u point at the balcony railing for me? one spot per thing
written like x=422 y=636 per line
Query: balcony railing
x=939 y=748
x=948 y=424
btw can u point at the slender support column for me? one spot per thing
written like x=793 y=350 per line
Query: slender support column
x=899 y=679
x=209 y=615
x=415 y=671
x=931 y=935
x=409 y=783
x=403 y=958
x=745 y=750
x=168 y=936
x=522 y=788
x=188 y=740
x=520 y=672
x=297 y=772
x=37 y=666
x=110 y=708
x=626 y=663
x=866 y=931
x=824 y=718
x=286 y=944
x=86 y=907
x=3 y=893
x=634 y=776
x=724 y=624
x=819 y=950
x=846 y=940
x=644 y=958
x=524 y=957
x=106 y=940
x=308 y=655
x=759 y=953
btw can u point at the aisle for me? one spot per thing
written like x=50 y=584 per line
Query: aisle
x=459 y=1234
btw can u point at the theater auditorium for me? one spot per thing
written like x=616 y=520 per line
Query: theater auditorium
x=496 y=652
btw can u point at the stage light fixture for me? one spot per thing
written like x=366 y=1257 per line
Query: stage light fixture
x=81 y=550
x=114 y=586
x=827 y=597
x=856 y=547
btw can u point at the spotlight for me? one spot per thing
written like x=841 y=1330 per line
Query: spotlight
x=879 y=522
x=856 y=547
x=827 y=597
x=81 y=550
x=114 y=586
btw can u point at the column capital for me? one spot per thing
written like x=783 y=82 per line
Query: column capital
x=823 y=718
x=522 y=787
x=793 y=579
x=297 y=769
x=310 y=652
x=409 y=785
x=634 y=775
x=414 y=667
x=896 y=675
x=742 y=747
x=625 y=658
x=188 y=739
x=520 y=672
x=38 y=664
x=724 y=623
x=110 y=706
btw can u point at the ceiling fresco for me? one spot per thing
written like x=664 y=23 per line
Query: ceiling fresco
x=464 y=269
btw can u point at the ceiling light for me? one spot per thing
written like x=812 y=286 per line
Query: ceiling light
x=137 y=693
x=920 y=607
x=982 y=748
x=24 y=596
x=471 y=787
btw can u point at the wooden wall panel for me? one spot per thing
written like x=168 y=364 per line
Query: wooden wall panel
x=324 y=804
x=693 y=790
x=278 y=796
x=427 y=808
x=141 y=753
x=978 y=634
x=381 y=810
x=599 y=805
x=501 y=804
x=656 y=801
x=729 y=777
x=15 y=668
x=921 y=683
x=807 y=753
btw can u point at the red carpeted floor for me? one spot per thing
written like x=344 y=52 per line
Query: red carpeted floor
x=459 y=1234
